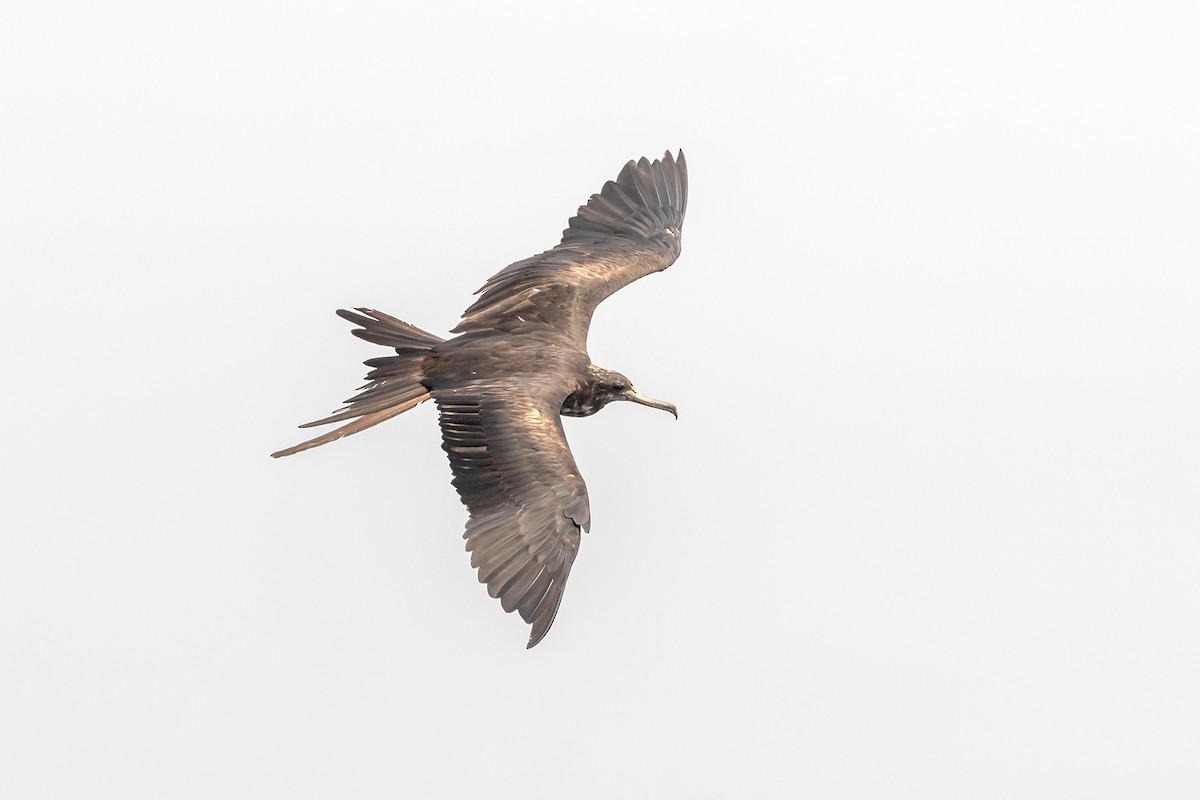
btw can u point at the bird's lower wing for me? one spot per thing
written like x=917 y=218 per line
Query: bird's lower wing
x=528 y=504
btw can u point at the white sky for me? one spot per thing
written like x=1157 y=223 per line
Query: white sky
x=927 y=524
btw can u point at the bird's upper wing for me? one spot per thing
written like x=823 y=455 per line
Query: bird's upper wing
x=516 y=476
x=630 y=229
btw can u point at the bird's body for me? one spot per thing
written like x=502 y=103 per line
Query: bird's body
x=518 y=363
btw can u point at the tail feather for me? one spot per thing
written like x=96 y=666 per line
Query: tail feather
x=360 y=424
x=389 y=396
x=380 y=328
x=395 y=384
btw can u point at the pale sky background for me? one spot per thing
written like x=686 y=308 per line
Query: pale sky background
x=927 y=525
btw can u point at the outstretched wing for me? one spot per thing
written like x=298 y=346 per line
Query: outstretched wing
x=630 y=229
x=528 y=504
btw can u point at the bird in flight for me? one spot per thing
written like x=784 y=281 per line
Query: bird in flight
x=519 y=361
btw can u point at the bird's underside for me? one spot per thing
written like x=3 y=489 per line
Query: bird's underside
x=518 y=362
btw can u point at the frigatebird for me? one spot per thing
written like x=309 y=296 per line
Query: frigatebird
x=519 y=361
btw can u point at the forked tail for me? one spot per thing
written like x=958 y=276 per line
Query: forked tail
x=395 y=382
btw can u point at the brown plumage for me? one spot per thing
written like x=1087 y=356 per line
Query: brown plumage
x=518 y=362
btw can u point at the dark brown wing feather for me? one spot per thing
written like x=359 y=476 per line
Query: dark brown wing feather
x=630 y=229
x=528 y=504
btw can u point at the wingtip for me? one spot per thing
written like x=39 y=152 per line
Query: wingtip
x=545 y=614
x=645 y=195
x=535 y=637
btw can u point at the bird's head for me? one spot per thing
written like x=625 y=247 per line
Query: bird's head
x=603 y=387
